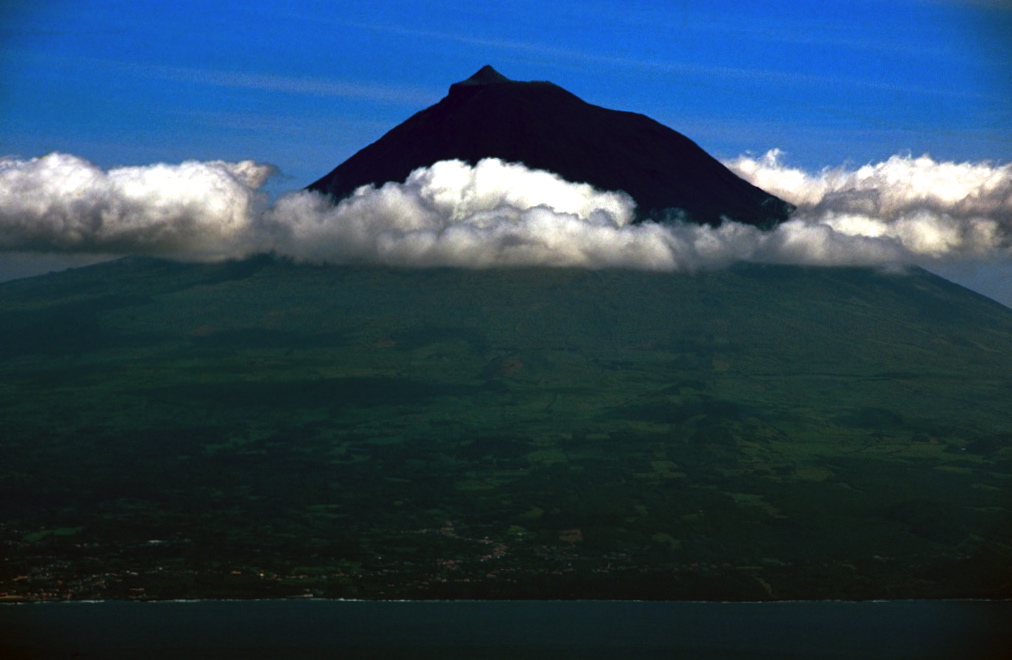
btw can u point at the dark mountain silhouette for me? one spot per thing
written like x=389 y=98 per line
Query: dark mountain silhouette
x=546 y=127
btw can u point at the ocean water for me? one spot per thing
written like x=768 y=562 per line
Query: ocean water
x=506 y=629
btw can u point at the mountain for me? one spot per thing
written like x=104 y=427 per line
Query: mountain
x=545 y=127
x=262 y=428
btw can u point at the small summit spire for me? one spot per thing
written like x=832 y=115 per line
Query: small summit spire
x=486 y=75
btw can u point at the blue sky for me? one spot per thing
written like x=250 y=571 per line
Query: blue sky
x=304 y=84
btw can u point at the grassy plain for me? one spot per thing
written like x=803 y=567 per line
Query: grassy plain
x=262 y=429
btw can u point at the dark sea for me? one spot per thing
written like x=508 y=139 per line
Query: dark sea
x=510 y=629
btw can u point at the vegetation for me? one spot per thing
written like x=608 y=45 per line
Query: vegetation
x=261 y=428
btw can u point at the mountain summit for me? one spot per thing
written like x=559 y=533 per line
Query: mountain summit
x=546 y=127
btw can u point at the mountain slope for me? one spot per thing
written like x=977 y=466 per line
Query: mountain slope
x=545 y=127
x=261 y=429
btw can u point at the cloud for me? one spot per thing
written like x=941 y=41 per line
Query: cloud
x=494 y=214
x=928 y=210
x=194 y=210
x=452 y=214
x=288 y=84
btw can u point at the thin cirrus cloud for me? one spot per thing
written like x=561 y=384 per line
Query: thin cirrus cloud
x=325 y=87
x=901 y=211
x=765 y=74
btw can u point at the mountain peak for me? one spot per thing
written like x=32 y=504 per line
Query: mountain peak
x=486 y=75
x=545 y=127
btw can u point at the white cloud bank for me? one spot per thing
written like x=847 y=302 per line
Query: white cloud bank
x=926 y=209
x=901 y=211
x=61 y=203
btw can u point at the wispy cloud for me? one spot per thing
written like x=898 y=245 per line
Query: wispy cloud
x=301 y=126
x=278 y=83
x=753 y=74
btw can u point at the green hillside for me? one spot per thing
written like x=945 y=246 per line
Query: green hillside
x=260 y=428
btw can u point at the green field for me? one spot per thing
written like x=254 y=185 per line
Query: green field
x=263 y=429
